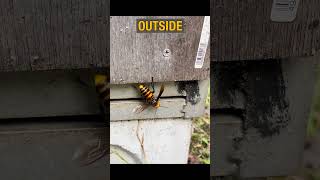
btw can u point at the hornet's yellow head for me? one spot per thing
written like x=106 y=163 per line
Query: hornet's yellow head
x=141 y=86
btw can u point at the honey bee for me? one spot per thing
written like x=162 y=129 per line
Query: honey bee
x=149 y=97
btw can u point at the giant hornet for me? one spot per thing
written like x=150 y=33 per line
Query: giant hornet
x=149 y=97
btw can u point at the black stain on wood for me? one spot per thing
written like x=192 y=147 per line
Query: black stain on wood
x=192 y=90
x=226 y=80
x=266 y=106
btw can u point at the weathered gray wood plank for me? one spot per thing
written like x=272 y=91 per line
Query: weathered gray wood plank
x=274 y=158
x=60 y=34
x=24 y=150
x=124 y=91
x=193 y=93
x=42 y=94
x=225 y=129
x=196 y=102
x=243 y=30
x=165 y=141
x=136 y=57
x=125 y=109
x=273 y=109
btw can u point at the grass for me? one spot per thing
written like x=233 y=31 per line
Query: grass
x=200 y=141
x=314 y=128
x=314 y=119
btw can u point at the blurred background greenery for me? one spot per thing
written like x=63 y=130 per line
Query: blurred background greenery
x=311 y=168
x=314 y=120
x=200 y=141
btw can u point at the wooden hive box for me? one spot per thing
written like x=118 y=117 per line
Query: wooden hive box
x=249 y=30
x=136 y=58
x=260 y=59
x=259 y=116
x=48 y=52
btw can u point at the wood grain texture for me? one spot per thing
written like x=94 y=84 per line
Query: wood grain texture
x=225 y=130
x=43 y=94
x=27 y=147
x=273 y=107
x=58 y=34
x=188 y=101
x=242 y=30
x=124 y=91
x=136 y=57
x=124 y=110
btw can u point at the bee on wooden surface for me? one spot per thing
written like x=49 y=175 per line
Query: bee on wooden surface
x=149 y=97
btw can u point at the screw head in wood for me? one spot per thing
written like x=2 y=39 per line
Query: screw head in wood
x=166 y=52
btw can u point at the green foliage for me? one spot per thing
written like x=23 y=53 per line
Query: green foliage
x=207 y=106
x=314 y=128
x=200 y=141
x=312 y=174
x=314 y=119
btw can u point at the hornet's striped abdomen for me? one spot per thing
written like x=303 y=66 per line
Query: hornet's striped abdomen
x=147 y=94
x=102 y=86
x=103 y=90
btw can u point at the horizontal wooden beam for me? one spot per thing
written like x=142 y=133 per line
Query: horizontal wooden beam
x=61 y=34
x=50 y=145
x=137 y=57
x=125 y=109
x=243 y=30
x=43 y=94
x=130 y=91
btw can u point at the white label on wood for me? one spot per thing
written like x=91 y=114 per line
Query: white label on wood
x=203 y=44
x=284 y=10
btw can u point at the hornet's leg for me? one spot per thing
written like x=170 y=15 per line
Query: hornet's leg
x=152 y=85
